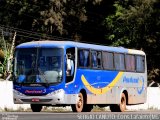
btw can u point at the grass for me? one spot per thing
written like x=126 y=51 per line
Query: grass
x=52 y=109
x=55 y=109
x=20 y=109
x=99 y=109
x=152 y=108
x=64 y=109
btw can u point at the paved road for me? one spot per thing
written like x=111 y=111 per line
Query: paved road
x=138 y=115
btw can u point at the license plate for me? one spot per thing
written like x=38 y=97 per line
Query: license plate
x=35 y=99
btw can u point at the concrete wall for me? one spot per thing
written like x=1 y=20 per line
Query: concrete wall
x=153 y=100
x=6 y=99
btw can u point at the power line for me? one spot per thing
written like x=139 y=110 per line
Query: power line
x=26 y=33
x=35 y=38
x=21 y=30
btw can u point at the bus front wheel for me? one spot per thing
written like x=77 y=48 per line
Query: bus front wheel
x=36 y=107
x=78 y=107
x=119 y=107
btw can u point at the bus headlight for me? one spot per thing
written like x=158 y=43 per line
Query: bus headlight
x=15 y=92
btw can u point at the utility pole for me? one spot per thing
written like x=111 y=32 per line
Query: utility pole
x=10 y=58
x=13 y=44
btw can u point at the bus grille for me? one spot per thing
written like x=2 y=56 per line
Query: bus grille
x=40 y=100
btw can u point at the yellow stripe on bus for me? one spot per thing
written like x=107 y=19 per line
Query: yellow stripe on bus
x=104 y=89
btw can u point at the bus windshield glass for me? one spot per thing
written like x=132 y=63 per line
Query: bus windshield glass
x=38 y=65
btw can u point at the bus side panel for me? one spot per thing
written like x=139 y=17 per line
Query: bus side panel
x=136 y=87
x=105 y=87
x=95 y=83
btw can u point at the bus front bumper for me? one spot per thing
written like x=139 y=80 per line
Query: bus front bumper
x=56 y=97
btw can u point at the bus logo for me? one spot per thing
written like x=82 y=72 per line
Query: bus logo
x=35 y=91
x=139 y=81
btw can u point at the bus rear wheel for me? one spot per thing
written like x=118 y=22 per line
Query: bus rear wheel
x=36 y=107
x=119 y=107
x=78 y=107
x=122 y=106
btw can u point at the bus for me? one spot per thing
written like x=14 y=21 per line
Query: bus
x=80 y=75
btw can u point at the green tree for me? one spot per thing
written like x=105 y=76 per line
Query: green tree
x=54 y=17
x=136 y=26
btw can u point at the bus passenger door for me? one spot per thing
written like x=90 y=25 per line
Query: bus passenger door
x=70 y=64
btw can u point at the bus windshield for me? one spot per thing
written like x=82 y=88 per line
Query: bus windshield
x=38 y=65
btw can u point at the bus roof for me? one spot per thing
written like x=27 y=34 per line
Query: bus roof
x=63 y=44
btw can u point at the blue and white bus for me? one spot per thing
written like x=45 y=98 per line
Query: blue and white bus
x=63 y=73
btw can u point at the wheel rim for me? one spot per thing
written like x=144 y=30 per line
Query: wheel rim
x=79 y=105
x=123 y=103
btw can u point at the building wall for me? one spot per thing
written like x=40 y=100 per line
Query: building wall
x=6 y=99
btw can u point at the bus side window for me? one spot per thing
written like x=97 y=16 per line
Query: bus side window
x=83 y=58
x=108 y=60
x=99 y=59
x=140 y=63
x=119 y=61
x=130 y=62
x=94 y=59
x=86 y=58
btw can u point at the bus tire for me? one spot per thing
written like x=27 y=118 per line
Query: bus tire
x=36 y=107
x=122 y=105
x=119 y=107
x=78 y=107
